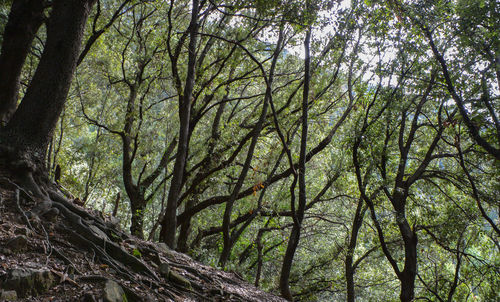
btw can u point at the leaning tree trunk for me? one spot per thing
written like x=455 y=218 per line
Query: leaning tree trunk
x=33 y=123
x=25 y=18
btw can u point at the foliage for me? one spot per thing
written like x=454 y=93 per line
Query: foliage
x=382 y=120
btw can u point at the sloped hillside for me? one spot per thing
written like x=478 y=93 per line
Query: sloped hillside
x=54 y=250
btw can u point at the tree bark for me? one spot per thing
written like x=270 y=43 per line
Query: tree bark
x=30 y=128
x=25 y=18
x=409 y=273
x=182 y=244
x=137 y=221
x=299 y=215
x=349 y=268
x=169 y=223
x=185 y=230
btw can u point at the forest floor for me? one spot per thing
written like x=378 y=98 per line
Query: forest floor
x=67 y=264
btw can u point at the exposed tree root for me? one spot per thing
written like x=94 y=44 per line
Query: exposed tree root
x=131 y=295
x=83 y=227
x=23 y=214
x=105 y=242
x=108 y=250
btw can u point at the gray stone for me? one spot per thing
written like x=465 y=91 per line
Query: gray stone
x=98 y=232
x=164 y=269
x=28 y=282
x=6 y=252
x=177 y=278
x=113 y=292
x=9 y=295
x=113 y=222
x=22 y=231
x=163 y=247
x=88 y=297
x=18 y=243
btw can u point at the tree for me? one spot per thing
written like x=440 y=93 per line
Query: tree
x=144 y=54
x=169 y=223
x=31 y=127
x=25 y=18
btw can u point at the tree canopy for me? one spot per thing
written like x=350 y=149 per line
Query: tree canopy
x=324 y=150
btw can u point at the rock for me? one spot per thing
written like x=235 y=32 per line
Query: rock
x=163 y=247
x=17 y=244
x=113 y=292
x=176 y=278
x=98 y=232
x=28 y=282
x=112 y=222
x=164 y=270
x=9 y=295
x=22 y=231
x=51 y=215
x=6 y=252
x=88 y=297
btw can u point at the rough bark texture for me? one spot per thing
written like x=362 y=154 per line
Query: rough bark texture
x=169 y=223
x=32 y=125
x=138 y=206
x=409 y=273
x=25 y=18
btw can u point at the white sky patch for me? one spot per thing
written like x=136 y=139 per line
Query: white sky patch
x=329 y=18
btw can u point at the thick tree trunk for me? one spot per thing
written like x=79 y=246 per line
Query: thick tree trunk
x=137 y=221
x=409 y=272
x=25 y=18
x=288 y=261
x=169 y=223
x=185 y=230
x=32 y=125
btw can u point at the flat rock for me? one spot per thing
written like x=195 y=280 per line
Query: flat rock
x=163 y=247
x=113 y=292
x=22 y=231
x=28 y=282
x=8 y=295
x=177 y=278
x=164 y=269
x=98 y=232
x=17 y=244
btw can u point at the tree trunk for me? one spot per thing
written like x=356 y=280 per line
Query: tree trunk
x=137 y=221
x=349 y=276
x=299 y=215
x=258 y=274
x=169 y=223
x=409 y=272
x=287 y=263
x=349 y=268
x=32 y=125
x=185 y=230
x=25 y=18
